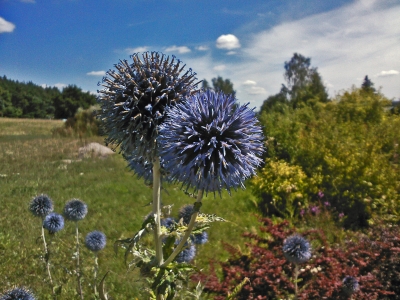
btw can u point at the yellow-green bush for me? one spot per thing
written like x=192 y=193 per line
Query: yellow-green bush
x=352 y=142
x=284 y=188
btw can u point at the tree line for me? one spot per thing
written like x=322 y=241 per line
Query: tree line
x=28 y=100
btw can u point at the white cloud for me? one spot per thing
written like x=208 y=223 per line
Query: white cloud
x=387 y=73
x=96 y=73
x=219 y=68
x=228 y=42
x=180 y=50
x=354 y=40
x=136 y=50
x=249 y=82
x=202 y=48
x=60 y=86
x=6 y=26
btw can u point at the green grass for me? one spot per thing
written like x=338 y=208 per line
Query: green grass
x=32 y=162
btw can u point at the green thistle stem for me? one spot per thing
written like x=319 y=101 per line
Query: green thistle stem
x=157 y=212
x=187 y=233
x=78 y=270
x=296 y=275
x=47 y=255
x=96 y=269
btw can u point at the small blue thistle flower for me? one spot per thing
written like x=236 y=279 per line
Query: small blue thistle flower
x=187 y=254
x=350 y=285
x=95 y=241
x=296 y=249
x=75 y=210
x=135 y=97
x=53 y=222
x=168 y=222
x=186 y=212
x=210 y=142
x=41 y=206
x=18 y=293
x=200 y=238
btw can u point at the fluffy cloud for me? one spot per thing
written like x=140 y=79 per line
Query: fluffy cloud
x=176 y=49
x=219 y=68
x=345 y=44
x=387 y=73
x=60 y=86
x=136 y=50
x=228 y=42
x=202 y=48
x=6 y=26
x=96 y=73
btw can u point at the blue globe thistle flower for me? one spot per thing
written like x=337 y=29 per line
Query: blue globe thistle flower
x=18 y=293
x=53 y=222
x=186 y=212
x=41 y=205
x=168 y=222
x=135 y=97
x=296 y=249
x=200 y=238
x=95 y=241
x=210 y=142
x=75 y=210
x=187 y=254
x=350 y=285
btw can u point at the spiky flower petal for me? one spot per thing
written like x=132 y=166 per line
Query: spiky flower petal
x=18 y=293
x=350 y=285
x=168 y=222
x=95 y=241
x=41 y=206
x=75 y=210
x=187 y=254
x=135 y=97
x=296 y=249
x=53 y=222
x=210 y=142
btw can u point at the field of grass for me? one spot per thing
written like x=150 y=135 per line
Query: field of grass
x=33 y=162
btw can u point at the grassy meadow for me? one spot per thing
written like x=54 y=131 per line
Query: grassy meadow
x=33 y=162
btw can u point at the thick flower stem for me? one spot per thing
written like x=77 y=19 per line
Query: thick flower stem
x=157 y=210
x=187 y=233
x=47 y=256
x=78 y=270
x=157 y=213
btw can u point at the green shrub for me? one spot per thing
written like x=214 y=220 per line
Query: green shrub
x=83 y=124
x=352 y=143
x=284 y=188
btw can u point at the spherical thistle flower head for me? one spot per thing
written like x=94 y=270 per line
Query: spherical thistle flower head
x=200 y=238
x=135 y=97
x=187 y=254
x=186 y=212
x=209 y=142
x=350 y=285
x=41 y=205
x=75 y=210
x=296 y=249
x=95 y=241
x=53 y=222
x=168 y=222
x=18 y=293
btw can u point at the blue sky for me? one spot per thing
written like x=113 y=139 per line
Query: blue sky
x=61 y=42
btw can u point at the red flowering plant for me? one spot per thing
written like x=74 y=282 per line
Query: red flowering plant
x=372 y=266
